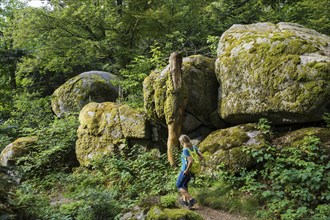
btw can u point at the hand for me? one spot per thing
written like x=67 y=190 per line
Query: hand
x=185 y=172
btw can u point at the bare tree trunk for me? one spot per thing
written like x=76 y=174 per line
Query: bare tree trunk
x=175 y=105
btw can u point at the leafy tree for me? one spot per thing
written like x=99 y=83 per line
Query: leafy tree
x=9 y=56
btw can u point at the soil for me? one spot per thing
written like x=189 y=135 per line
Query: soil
x=213 y=214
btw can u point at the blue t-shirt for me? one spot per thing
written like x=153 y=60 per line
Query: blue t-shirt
x=184 y=155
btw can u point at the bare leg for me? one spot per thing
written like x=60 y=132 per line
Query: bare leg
x=185 y=195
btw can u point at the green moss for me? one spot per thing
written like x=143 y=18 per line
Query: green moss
x=271 y=67
x=171 y=104
x=320 y=67
x=226 y=139
x=156 y=213
x=295 y=138
x=169 y=200
x=178 y=214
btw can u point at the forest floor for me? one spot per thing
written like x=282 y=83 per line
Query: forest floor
x=213 y=214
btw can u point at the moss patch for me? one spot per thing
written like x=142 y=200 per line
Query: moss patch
x=199 y=86
x=105 y=127
x=262 y=73
x=226 y=147
x=87 y=87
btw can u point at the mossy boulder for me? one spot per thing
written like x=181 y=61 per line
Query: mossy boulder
x=20 y=147
x=156 y=213
x=200 y=87
x=276 y=71
x=226 y=146
x=93 y=86
x=105 y=127
x=295 y=138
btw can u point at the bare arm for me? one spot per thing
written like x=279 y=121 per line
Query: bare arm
x=190 y=162
x=200 y=155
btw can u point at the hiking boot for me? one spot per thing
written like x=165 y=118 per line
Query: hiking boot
x=192 y=202
x=183 y=203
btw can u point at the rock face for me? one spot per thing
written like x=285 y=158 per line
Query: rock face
x=105 y=127
x=18 y=148
x=226 y=146
x=93 y=86
x=277 y=71
x=201 y=86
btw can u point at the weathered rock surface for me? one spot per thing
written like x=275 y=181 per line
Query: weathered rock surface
x=105 y=127
x=277 y=71
x=201 y=85
x=226 y=146
x=172 y=214
x=93 y=86
x=11 y=153
x=296 y=138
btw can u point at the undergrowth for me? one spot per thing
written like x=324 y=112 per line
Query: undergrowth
x=291 y=182
x=113 y=184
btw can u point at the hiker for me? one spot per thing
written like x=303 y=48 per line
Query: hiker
x=185 y=172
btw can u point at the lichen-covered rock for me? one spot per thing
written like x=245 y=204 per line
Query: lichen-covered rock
x=104 y=127
x=93 y=86
x=181 y=214
x=201 y=88
x=137 y=213
x=11 y=153
x=278 y=71
x=225 y=146
x=156 y=213
x=295 y=138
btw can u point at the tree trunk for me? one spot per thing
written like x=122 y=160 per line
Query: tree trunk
x=175 y=105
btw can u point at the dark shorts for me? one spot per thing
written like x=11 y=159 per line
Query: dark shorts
x=183 y=180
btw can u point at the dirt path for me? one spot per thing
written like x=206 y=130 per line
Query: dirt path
x=212 y=214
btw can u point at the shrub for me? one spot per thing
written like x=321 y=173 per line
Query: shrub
x=293 y=181
x=326 y=118
x=55 y=149
x=30 y=113
x=169 y=200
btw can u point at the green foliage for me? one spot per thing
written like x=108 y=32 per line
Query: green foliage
x=101 y=192
x=213 y=44
x=292 y=182
x=148 y=171
x=30 y=112
x=35 y=202
x=264 y=125
x=326 y=118
x=136 y=71
x=222 y=196
x=6 y=134
x=55 y=149
x=169 y=200
x=92 y=204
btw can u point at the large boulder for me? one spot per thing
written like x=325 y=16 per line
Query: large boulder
x=201 y=86
x=276 y=71
x=106 y=127
x=93 y=86
x=226 y=147
x=12 y=152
